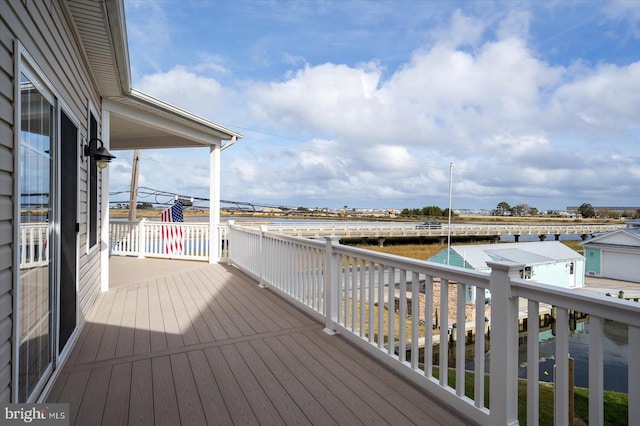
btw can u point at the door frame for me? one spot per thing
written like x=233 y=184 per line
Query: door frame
x=61 y=355
x=25 y=64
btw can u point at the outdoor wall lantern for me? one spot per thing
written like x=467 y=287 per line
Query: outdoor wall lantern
x=102 y=156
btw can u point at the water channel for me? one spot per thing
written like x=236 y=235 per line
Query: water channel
x=614 y=351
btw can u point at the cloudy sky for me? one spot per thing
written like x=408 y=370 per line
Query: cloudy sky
x=367 y=103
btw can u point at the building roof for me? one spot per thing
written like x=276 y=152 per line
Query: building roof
x=530 y=253
x=627 y=237
x=137 y=119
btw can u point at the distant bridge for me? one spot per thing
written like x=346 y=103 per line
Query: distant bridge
x=382 y=230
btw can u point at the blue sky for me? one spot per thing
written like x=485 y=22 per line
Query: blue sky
x=366 y=103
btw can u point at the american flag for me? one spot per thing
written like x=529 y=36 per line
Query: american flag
x=172 y=234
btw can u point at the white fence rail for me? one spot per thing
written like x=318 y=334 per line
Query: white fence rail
x=34 y=238
x=401 y=311
x=145 y=239
x=351 y=229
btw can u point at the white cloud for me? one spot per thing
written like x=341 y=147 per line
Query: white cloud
x=463 y=30
x=151 y=31
x=192 y=90
x=628 y=12
x=607 y=98
x=516 y=127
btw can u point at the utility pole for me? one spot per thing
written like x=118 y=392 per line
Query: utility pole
x=133 y=194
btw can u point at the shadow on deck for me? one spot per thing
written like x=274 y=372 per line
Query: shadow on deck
x=176 y=342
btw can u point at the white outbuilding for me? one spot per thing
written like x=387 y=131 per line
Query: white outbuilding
x=614 y=255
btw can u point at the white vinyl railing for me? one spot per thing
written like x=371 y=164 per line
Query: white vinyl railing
x=351 y=229
x=34 y=238
x=145 y=239
x=370 y=298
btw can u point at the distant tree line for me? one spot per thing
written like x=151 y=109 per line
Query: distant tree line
x=505 y=209
x=431 y=211
x=586 y=210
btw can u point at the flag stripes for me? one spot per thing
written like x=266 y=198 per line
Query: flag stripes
x=172 y=234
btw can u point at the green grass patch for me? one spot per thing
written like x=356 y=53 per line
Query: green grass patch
x=615 y=403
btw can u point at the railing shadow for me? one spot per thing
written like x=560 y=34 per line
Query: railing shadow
x=176 y=342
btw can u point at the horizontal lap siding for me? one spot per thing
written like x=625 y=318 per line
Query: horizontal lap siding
x=6 y=205
x=73 y=83
x=46 y=35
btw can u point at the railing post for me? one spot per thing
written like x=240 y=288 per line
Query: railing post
x=503 y=386
x=141 y=237
x=230 y=223
x=331 y=287
x=261 y=258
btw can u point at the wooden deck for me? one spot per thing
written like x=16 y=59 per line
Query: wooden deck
x=176 y=342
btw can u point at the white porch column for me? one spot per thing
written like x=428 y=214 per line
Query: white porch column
x=214 y=202
x=104 y=226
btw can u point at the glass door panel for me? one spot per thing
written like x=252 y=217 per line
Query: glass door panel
x=35 y=300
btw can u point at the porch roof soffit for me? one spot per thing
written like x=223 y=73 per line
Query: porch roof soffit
x=138 y=120
x=141 y=122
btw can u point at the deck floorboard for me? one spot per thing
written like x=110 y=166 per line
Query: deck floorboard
x=202 y=344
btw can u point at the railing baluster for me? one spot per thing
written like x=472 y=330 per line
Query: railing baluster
x=634 y=373
x=372 y=289
x=391 y=305
x=415 y=319
x=460 y=337
x=428 y=326
x=402 y=315
x=480 y=340
x=32 y=246
x=444 y=328
x=308 y=269
x=381 y=273
x=596 y=370
x=339 y=285
x=354 y=294
x=533 y=356
x=315 y=273
x=363 y=301
x=561 y=374
x=347 y=290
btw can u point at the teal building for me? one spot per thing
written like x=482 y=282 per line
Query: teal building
x=548 y=262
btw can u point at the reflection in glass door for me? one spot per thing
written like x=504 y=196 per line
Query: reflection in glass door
x=35 y=300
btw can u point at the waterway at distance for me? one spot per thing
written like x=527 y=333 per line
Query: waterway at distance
x=615 y=351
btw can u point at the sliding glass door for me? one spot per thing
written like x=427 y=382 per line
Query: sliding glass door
x=35 y=354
